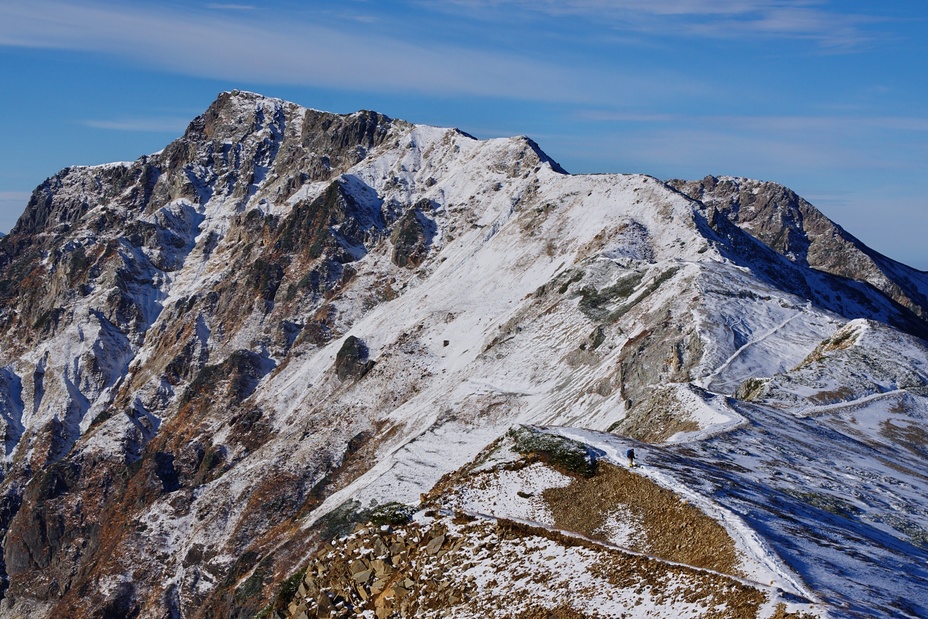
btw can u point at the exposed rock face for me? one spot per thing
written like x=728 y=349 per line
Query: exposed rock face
x=412 y=236
x=796 y=229
x=352 y=360
x=199 y=349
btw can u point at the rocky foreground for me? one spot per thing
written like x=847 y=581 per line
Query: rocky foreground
x=542 y=534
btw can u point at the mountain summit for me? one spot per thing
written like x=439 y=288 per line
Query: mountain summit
x=287 y=322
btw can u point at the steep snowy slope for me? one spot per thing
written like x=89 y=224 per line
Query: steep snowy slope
x=209 y=351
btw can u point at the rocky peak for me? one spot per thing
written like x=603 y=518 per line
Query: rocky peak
x=245 y=141
x=771 y=212
x=793 y=227
x=342 y=138
x=540 y=154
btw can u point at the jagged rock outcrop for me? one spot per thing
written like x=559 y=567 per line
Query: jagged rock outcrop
x=202 y=350
x=790 y=225
x=353 y=359
x=412 y=236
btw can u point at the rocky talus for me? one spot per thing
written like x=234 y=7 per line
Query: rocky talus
x=392 y=572
x=466 y=567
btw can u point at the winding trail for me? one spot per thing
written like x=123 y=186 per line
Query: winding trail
x=708 y=381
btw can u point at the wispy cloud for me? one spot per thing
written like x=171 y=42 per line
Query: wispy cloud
x=220 y=46
x=841 y=124
x=231 y=7
x=20 y=197
x=600 y=7
x=813 y=150
x=832 y=27
x=610 y=116
x=148 y=125
x=846 y=125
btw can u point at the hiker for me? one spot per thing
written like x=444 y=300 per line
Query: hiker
x=631 y=457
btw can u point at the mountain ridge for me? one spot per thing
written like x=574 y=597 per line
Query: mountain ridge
x=209 y=351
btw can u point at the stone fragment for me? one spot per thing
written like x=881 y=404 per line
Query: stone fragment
x=359 y=566
x=363 y=576
x=324 y=610
x=379 y=585
x=435 y=544
x=381 y=568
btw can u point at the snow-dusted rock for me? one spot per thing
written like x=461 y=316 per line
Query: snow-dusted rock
x=174 y=415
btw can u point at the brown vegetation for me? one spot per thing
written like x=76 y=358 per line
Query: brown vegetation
x=672 y=529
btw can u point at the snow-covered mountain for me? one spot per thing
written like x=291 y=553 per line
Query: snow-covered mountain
x=287 y=316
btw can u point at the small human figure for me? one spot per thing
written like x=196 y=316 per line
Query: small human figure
x=631 y=457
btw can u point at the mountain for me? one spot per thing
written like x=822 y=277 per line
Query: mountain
x=289 y=322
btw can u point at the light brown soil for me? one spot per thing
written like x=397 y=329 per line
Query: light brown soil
x=671 y=528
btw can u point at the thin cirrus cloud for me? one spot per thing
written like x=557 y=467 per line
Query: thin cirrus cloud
x=779 y=145
x=814 y=152
x=145 y=125
x=744 y=153
x=217 y=45
x=728 y=19
x=838 y=124
x=694 y=151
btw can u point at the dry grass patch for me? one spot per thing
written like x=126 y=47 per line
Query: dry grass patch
x=670 y=528
x=841 y=394
x=561 y=612
x=781 y=613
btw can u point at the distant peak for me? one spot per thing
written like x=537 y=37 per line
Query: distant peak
x=542 y=155
x=238 y=98
x=245 y=95
x=370 y=120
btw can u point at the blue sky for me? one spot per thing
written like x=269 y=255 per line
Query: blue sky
x=828 y=98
